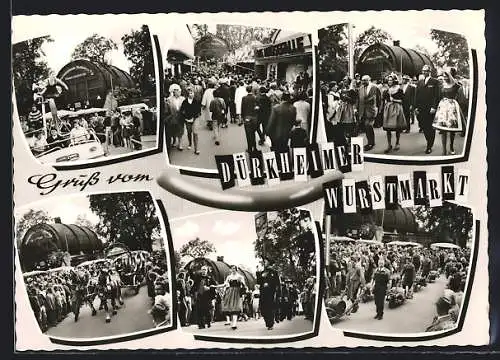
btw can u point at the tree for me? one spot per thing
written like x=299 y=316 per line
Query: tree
x=28 y=68
x=198 y=31
x=333 y=52
x=82 y=220
x=423 y=50
x=129 y=218
x=369 y=37
x=453 y=51
x=448 y=223
x=236 y=35
x=139 y=51
x=30 y=219
x=197 y=248
x=94 y=48
x=289 y=243
x=177 y=261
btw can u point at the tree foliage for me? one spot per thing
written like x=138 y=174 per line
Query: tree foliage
x=30 y=219
x=82 y=220
x=198 y=31
x=453 y=51
x=447 y=223
x=129 y=218
x=94 y=48
x=139 y=51
x=289 y=244
x=178 y=261
x=236 y=35
x=333 y=52
x=369 y=37
x=197 y=248
x=28 y=68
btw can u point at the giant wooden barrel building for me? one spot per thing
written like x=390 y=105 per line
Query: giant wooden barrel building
x=219 y=270
x=399 y=224
x=379 y=60
x=91 y=81
x=42 y=239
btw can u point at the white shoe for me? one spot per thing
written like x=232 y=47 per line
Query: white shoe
x=189 y=147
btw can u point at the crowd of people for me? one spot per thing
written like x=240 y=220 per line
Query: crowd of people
x=357 y=105
x=217 y=98
x=110 y=128
x=362 y=272
x=56 y=293
x=202 y=301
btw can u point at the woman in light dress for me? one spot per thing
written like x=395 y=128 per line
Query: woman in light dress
x=232 y=302
x=449 y=118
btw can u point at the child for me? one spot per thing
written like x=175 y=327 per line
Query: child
x=298 y=136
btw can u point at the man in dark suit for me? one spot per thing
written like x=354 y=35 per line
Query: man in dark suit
x=249 y=109
x=367 y=108
x=381 y=279
x=280 y=123
x=409 y=92
x=426 y=105
x=270 y=285
x=264 y=111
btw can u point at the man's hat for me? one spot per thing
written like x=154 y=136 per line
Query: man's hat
x=406 y=77
x=426 y=67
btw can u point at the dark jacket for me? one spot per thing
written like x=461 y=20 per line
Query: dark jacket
x=265 y=107
x=281 y=121
x=427 y=95
x=249 y=108
x=409 y=97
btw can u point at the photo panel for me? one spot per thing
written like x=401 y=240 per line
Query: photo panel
x=89 y=96
x=410 y=91
x=97 y=268
x=252 y=90
x=248 y=277
x=413 y=263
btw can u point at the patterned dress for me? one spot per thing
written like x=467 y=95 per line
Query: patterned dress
x=449 y=116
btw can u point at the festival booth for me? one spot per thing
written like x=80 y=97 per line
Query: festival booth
x=379 y=60
x=89 y=82
x=285 y=58
x=43 y=239
x=242 y=60
x=180 y=52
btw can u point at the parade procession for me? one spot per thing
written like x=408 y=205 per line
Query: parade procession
x=86 y=281
x=265 y=295
x=86 y=108
x=396 y=87
x=393 y=264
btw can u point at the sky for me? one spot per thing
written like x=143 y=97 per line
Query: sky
x=231 y=232
x=69 y=31
x=68 y=208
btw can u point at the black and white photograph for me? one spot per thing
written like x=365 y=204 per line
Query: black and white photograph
x=85 y=93
x=245 y=275
x=398 y=272
x=234 y=88
x=95 y=266
x=405 y=88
